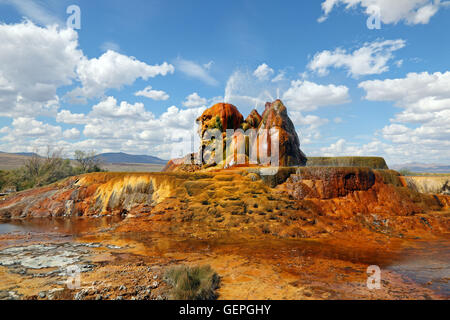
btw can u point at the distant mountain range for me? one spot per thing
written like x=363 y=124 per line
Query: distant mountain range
x=121 y=157
x=25 y=154
x=114 y=158
x=422 y=167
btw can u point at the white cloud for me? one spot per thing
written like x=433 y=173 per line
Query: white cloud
x=27 y=134
x=281 y=76
x=263 y=72
x=409 y=11
x=35 y=63
x=247 y=92
x=65 y=116
x=147 y=134
x=194 y=100
x=307 y=126
x=208 y=65
x=110 y=45
x=243 y=89
x=422 y=129
x=109 y=126
x=112 y=71
x=418 y=91
x=153 y=94
x=71 y=134
x=194 y=70
x=307 y=96
x=420 y=132
x=371 y=58
x=393 y=152
x=334 y=149
x=109 y=108
x=35 y=11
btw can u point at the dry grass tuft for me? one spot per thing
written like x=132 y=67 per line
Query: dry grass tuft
x=193 y=283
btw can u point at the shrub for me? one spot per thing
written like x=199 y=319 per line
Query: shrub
x=193 y=283
x=41 y=171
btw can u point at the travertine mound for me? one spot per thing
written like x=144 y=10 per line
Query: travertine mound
x=276 y=117
x=297 y=202
x=253 y=120
x=368 y=162
x=220 y=116
x=242 y=148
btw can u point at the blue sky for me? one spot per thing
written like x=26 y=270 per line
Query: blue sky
x=138 y=73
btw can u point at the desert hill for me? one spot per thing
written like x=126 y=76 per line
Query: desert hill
x=115 y=162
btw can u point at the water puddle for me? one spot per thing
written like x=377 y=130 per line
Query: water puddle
x=75 y=226
x=424 y=263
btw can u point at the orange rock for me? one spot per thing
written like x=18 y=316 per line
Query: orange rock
x=275 y=117
x=220 y=116
x=254 y=119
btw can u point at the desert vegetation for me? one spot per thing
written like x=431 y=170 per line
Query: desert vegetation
x=193 y=283
x=39 y=171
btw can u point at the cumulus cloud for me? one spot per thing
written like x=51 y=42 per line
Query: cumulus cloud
x=112 y=71
x=109 y=126
x=110 y=45
x=309 y=125
x=281 y=76
x=35 y=63
x=245 y=90
x=371 y=58
x=418 y=91
x=28 y=134
x=35 y=11
x=196 y=71
x=263 y=72
x=394 y=153
x=194 y=100
x=411 y=12
x=158 y=95
x=419 y=132
x=109 y=108
x=66 y=116
x=307 y=96
x=71 y=134
x=105 y=130
x=424 y=123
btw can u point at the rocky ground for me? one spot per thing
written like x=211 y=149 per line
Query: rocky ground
x=306 y=233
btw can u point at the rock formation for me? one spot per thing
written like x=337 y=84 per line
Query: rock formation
x=250 y=144
x=218 y=118
x=275 y=117
x=253 y=120
x=306 y=202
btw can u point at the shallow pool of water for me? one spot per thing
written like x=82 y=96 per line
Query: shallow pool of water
x=426 y=263
x=75 y=226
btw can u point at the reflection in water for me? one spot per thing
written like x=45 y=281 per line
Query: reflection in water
x=426 y=263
